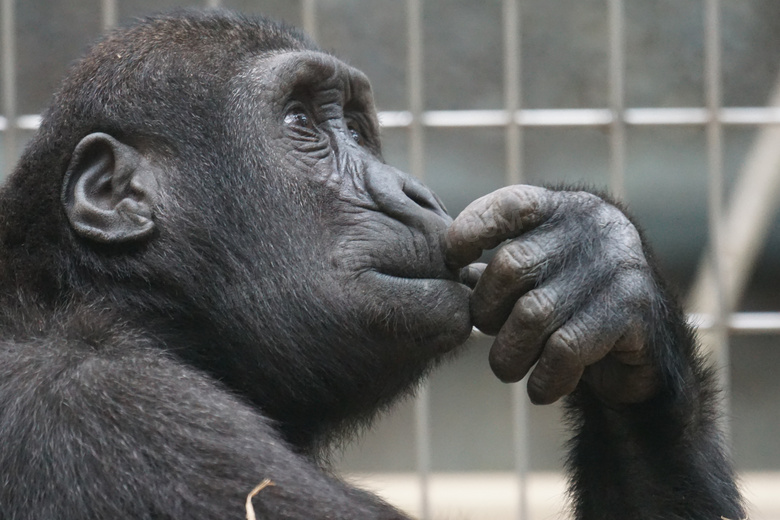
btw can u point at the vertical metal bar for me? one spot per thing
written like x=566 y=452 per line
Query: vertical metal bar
x=417 y=165
x=309 y=17
x=718 y=335
x=514 y=175
x=512 y=91
x=617 y=97
x=520 y=439
x=422 y=432
x=109 y=13
x=415 y=87
x=9 y=85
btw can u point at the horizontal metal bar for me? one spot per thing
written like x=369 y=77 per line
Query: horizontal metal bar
x=564 y=117
x=583 y=117
x=750 y=116
x=499 y=118
x=666 y=116
x=700 y=116
x=28 y=122
x=742 y=322
x=532 y=117
x=473 y=118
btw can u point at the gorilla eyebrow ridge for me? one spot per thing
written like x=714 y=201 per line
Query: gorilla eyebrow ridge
x=309 y=72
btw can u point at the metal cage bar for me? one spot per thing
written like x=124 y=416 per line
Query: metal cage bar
x=543 y=117
x=717 y=340
x=9 y=123
x=109 y=14
x=309 y=17
x=584 y=117
x=416 y=151
x=512 y=38
x=617 y=81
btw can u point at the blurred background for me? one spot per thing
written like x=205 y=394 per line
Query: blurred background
x=670 y=104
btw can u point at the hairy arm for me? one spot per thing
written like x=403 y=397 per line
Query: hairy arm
x=121 y=431
x=574 y=301
x=659 y=458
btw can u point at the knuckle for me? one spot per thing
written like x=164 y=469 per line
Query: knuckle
x=625 y=244
x=579 y=202
x=534 y=307
x=518 y=257
x=585 y=198
x=524 y=206
x=472 y=227
x=632 y=287
x=564 y=343
x=526 y=198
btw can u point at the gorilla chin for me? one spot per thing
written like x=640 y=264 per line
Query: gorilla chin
x=432 y=313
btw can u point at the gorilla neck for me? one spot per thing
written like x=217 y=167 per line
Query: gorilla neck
x=287 y=370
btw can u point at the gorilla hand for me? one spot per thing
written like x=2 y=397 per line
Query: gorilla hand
x=570 y=290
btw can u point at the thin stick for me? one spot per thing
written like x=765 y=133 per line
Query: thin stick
x=250 y=510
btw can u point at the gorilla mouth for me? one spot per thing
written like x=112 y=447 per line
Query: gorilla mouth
x=410 y=282
x=431 y=309
x=427 y=263
x=431 y=274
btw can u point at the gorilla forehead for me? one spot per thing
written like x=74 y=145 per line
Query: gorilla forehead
x=279 y=74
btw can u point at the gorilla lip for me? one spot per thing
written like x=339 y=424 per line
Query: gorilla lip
x=414 y=273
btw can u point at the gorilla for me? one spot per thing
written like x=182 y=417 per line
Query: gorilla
x=209 y=275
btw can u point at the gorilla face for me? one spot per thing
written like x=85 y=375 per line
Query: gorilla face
x=375 y=233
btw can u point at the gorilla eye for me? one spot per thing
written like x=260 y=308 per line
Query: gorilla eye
x=297 y=116
x=355 y=134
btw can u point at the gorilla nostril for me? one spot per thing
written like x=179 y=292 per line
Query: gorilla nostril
x=422 y=197
x=403 y=197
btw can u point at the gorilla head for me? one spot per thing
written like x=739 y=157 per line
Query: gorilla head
x=216 y=183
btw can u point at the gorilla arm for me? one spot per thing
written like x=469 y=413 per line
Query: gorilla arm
x=125 y=431
x=573 y=293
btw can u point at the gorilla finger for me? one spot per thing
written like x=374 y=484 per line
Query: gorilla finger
x=583 y=340
x=471 y=274
x=519 y=343
x=498 y=216
x=514 y=271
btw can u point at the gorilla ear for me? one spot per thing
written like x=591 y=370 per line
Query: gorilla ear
x=109 y=191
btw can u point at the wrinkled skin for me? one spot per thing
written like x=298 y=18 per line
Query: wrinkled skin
x=588 y=321
x=208 y=273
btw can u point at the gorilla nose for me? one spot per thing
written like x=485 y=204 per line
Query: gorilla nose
x=403 y=197
x=421 y=195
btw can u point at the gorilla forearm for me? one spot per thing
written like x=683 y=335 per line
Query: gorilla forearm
x=646 y=462
x=663 y=458
x=180 y=447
